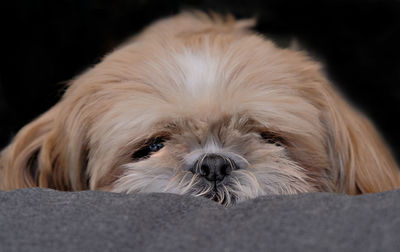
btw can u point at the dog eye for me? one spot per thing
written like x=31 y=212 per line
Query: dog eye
x=151 y=147
x=155 y=147
x=272 y=138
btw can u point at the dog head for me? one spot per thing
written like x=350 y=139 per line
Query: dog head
x=203 y=106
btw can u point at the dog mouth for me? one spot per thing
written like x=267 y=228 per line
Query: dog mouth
x=225 y=200
x=219 y=193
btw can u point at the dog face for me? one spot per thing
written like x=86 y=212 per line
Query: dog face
x=201 y=106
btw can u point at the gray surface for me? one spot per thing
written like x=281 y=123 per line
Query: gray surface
x=47 y=220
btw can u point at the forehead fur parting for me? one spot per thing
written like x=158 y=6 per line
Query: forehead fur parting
x=202 y=73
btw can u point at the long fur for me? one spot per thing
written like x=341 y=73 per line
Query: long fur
x=211 y=85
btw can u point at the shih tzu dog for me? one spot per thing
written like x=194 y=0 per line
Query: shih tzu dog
x=199 y=104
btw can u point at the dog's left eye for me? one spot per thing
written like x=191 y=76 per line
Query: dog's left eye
x=151 y=147
x=155 y=147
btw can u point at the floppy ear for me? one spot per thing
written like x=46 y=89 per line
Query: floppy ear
x=363 y=162
x=37 y=157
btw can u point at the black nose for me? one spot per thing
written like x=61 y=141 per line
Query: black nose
x=214 y=167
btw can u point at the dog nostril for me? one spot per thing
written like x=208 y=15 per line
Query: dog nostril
x=226 y=169
x=204 y=170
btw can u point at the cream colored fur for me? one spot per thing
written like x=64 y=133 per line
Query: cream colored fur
x=209 y=85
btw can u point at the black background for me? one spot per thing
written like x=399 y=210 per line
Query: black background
x=46 y=43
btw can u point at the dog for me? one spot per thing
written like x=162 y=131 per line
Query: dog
x=202 y=105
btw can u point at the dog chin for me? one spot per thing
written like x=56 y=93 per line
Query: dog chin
x=239 y=186
x=221 y=192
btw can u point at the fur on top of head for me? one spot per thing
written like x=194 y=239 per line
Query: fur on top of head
x=201 y=105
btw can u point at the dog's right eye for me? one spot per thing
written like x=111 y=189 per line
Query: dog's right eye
x=151 y=147
x=272 y=138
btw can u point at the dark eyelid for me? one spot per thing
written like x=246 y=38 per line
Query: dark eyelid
x=161 y=136
x=154 y=140
x=273 y=136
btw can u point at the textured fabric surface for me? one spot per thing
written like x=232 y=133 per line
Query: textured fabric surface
x=47 y=220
